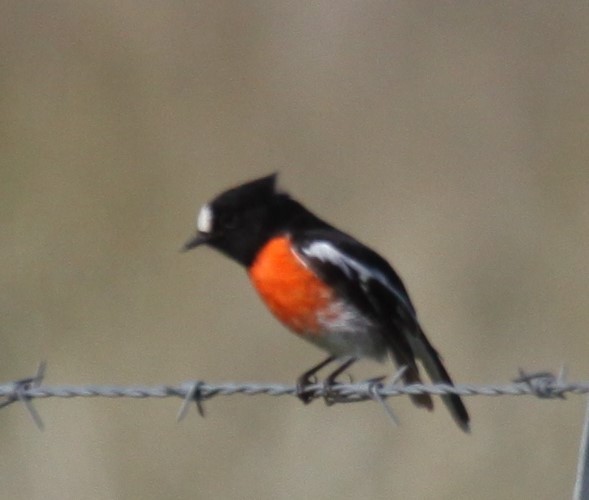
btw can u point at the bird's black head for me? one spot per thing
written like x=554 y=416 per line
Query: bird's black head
x=240 y=220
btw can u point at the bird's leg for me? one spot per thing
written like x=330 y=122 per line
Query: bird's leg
x=308 y=378
x=331 y=380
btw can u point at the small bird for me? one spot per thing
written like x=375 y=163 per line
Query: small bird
x=322 y=284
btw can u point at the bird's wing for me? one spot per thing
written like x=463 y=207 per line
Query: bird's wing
x=362 y=276
x=358 y=273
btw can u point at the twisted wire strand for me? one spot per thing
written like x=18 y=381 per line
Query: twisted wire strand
x=360 y=390
x=540 y=384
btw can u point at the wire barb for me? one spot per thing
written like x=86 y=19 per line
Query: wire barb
x=20 y=389
x=194 y=394
x=374 y=389
x=544 y=385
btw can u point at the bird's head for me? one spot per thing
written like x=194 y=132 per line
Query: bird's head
x=239 y=221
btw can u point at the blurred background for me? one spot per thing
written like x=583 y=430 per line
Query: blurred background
x=451 y=137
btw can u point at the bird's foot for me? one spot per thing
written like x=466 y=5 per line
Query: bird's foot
x=303 y=384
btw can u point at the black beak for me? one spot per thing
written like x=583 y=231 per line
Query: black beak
x=196 y=241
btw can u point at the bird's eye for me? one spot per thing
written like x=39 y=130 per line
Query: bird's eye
x=230 y=221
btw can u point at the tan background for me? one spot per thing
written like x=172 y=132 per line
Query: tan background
x=453 y=137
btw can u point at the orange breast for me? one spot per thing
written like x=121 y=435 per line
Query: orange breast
x=289 y=289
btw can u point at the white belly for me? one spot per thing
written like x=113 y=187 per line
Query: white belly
x=346 y=332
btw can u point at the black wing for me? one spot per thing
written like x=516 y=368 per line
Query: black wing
x=366 y=280
x=369 y=282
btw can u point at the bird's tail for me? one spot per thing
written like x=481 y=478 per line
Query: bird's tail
x=404 y=358
x=432 y=362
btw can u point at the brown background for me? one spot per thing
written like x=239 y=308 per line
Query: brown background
x=452 y=137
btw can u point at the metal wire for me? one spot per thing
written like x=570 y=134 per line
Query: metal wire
x=540 y=384
x=543 y=385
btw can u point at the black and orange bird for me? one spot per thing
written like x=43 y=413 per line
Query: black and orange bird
x=322 y=284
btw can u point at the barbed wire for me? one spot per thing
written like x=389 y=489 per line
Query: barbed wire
x=539 y=384
x=543 y=385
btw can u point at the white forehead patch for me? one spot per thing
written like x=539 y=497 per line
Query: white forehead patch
x=204 y=221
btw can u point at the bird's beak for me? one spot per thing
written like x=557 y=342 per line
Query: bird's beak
x=195 y=241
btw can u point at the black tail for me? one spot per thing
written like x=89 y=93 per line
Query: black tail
x=437 y=372
x=411 y=376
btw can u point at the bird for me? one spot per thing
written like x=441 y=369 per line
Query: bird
x=323 y=285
